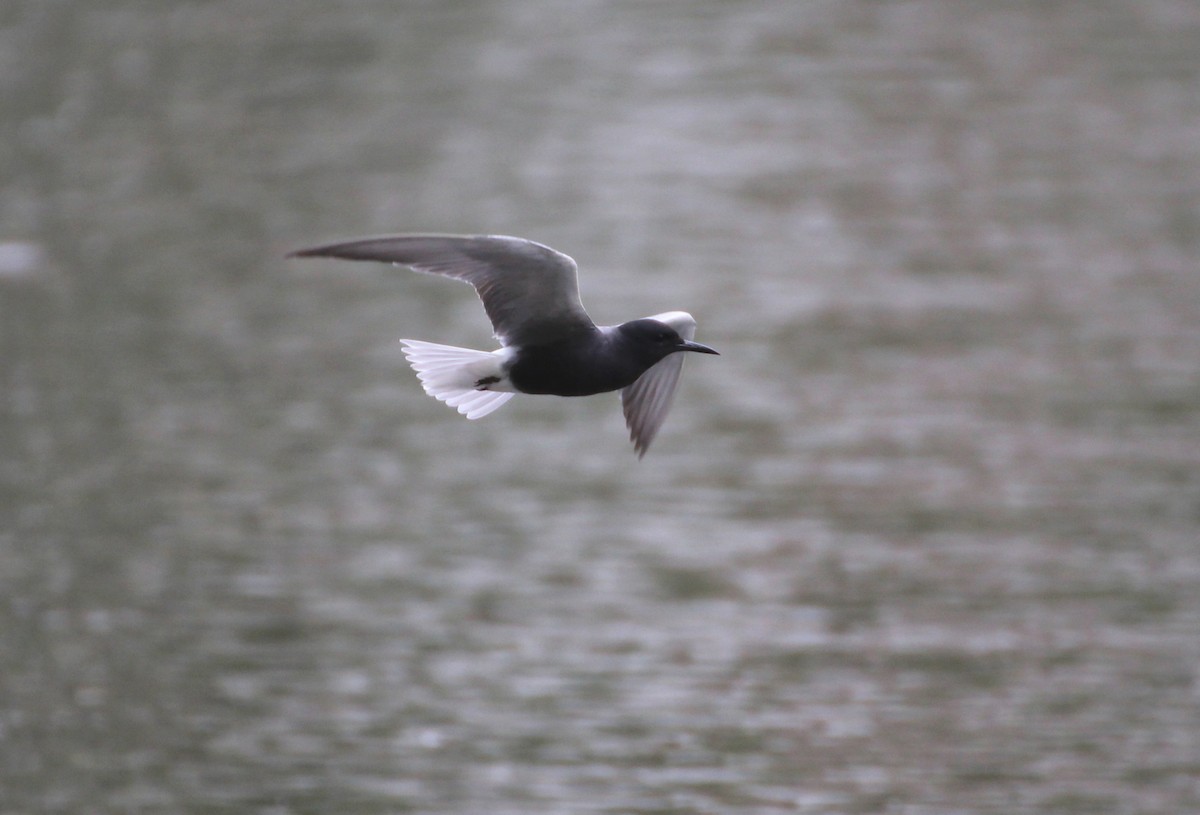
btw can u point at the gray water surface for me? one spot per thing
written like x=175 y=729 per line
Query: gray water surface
x=924 y=539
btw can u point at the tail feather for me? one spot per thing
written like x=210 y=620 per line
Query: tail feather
x=477 y=404
x=450 y=374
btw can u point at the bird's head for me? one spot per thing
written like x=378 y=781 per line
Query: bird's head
x=653 y=340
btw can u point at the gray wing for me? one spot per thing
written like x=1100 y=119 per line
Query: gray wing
x=648 y=400
x=529 y=291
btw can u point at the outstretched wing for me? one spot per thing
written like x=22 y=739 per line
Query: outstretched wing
x=648 y=400
x=530 y=291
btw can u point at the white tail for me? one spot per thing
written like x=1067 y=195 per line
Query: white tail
x=451 y=375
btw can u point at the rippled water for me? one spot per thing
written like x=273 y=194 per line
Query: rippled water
x=923 y=539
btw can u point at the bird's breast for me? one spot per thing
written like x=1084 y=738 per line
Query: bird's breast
x=572 y=369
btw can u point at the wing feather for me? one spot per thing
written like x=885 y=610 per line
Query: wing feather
x=529 y=291
x=647 y=401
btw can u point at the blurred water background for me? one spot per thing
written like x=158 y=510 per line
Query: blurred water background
x=925 y=539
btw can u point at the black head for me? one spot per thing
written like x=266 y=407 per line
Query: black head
x=655 y=340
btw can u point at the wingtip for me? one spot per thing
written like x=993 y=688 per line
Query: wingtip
x=311 y=252
x=341 y=249
x=640 y=445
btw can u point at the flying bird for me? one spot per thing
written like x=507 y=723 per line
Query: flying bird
x=549 y=344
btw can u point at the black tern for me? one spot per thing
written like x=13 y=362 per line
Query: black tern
x=549 y=344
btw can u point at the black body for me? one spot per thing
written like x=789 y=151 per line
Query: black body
x=596 y=360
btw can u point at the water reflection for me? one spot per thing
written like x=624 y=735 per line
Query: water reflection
x=924 y=538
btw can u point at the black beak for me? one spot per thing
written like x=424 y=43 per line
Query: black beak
x=688 y=345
